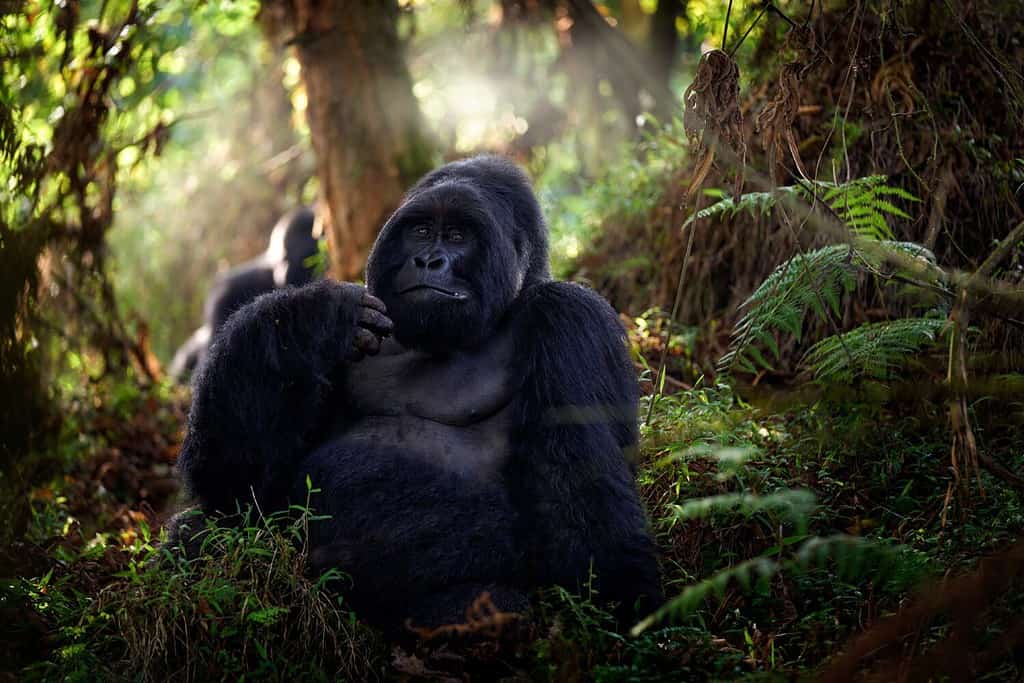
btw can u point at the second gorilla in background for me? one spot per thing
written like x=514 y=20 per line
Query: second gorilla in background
x=470 y=422
x=282 y=264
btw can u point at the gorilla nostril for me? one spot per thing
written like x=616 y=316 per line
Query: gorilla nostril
x=436 y=264
x=419 y=262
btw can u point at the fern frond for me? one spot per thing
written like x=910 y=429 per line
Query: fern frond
x=808 y=281
x=861 y=203
x=859 y=558
x=855 y=559
x=754 y=203
x=813 y=282
x=794 y=505
x=873 y=350
x=878 y=255
x=694 y=595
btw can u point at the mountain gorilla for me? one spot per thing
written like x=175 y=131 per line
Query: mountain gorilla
x=283 y=263
x=471 y=423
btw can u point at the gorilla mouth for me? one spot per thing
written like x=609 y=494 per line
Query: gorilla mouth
x=450 y=293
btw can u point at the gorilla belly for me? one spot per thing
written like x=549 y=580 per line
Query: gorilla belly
x=475 y=451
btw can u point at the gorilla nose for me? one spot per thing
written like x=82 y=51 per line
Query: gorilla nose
x=432 y=262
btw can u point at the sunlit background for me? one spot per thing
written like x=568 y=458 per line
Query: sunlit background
x=238 y=152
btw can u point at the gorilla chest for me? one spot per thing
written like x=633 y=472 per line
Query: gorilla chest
x=454 y=411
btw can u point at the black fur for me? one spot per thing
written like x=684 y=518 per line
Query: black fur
x=283 y=264
x=489 y=446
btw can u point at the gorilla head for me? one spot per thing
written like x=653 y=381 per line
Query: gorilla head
x=291 y=243
x=457 y=252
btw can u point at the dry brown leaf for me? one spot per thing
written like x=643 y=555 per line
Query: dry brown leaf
x=712 y=113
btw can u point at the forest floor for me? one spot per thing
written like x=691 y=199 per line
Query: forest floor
x=785 y=530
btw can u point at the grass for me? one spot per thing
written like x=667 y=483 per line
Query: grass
x=244 y=608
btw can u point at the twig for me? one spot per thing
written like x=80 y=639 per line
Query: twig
x=1000 y=252
x=668 y=328
x=725 y=30
x=1003 y=473
x=782 y=15
x=939 y=199
x=747 y=32
x=669 y=379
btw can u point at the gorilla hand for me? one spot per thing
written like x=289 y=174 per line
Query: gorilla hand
x=372 y=326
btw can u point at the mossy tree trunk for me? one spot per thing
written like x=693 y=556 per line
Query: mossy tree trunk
x=365 y=123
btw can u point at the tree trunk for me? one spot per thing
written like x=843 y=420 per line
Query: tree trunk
x=364 y=121
x=664 y=39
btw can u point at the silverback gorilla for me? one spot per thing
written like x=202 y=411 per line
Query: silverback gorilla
x=283 y=264
x=470 y=422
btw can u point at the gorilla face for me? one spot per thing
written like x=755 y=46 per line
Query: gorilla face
x=456 y=254
x=444 y=269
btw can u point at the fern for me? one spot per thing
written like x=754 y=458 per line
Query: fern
x=805 y=282
x=754 y=203
x=812 y=282
x=693 y=596
x=792 y=505
x=863 y=204
x=854 y=559
x=815 y=281
x=873 y=350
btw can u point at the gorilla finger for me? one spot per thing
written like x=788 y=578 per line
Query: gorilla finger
x=367 y=342
x=370 y=301
x=375 y=321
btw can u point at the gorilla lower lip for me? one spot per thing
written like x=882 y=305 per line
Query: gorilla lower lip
x=451 y=293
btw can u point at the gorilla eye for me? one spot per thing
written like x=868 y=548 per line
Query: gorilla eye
x=456 y=236
x=421 y=231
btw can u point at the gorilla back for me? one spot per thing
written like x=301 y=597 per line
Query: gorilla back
x=469 y=422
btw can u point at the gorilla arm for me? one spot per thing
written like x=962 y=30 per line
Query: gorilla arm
x=264 y=386
x=571 y=474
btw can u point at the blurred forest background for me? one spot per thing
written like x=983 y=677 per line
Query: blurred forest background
x=809 y=213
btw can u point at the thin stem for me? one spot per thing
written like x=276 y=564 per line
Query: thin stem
x=725 y=31
x=782 y=15
x=747 y=32
x=659 y=385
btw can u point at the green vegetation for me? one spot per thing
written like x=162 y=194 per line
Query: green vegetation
x=777 y=536
x=831 y=453
x=243 y=608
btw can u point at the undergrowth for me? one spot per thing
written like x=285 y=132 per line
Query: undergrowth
x=783 y=531
x=244 y=608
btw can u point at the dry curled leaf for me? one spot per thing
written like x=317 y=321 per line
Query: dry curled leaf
x=775 y=122
x=712 y=113
x=483 y=618
x=801 y=40
x=895 y=80
x=712 y=100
